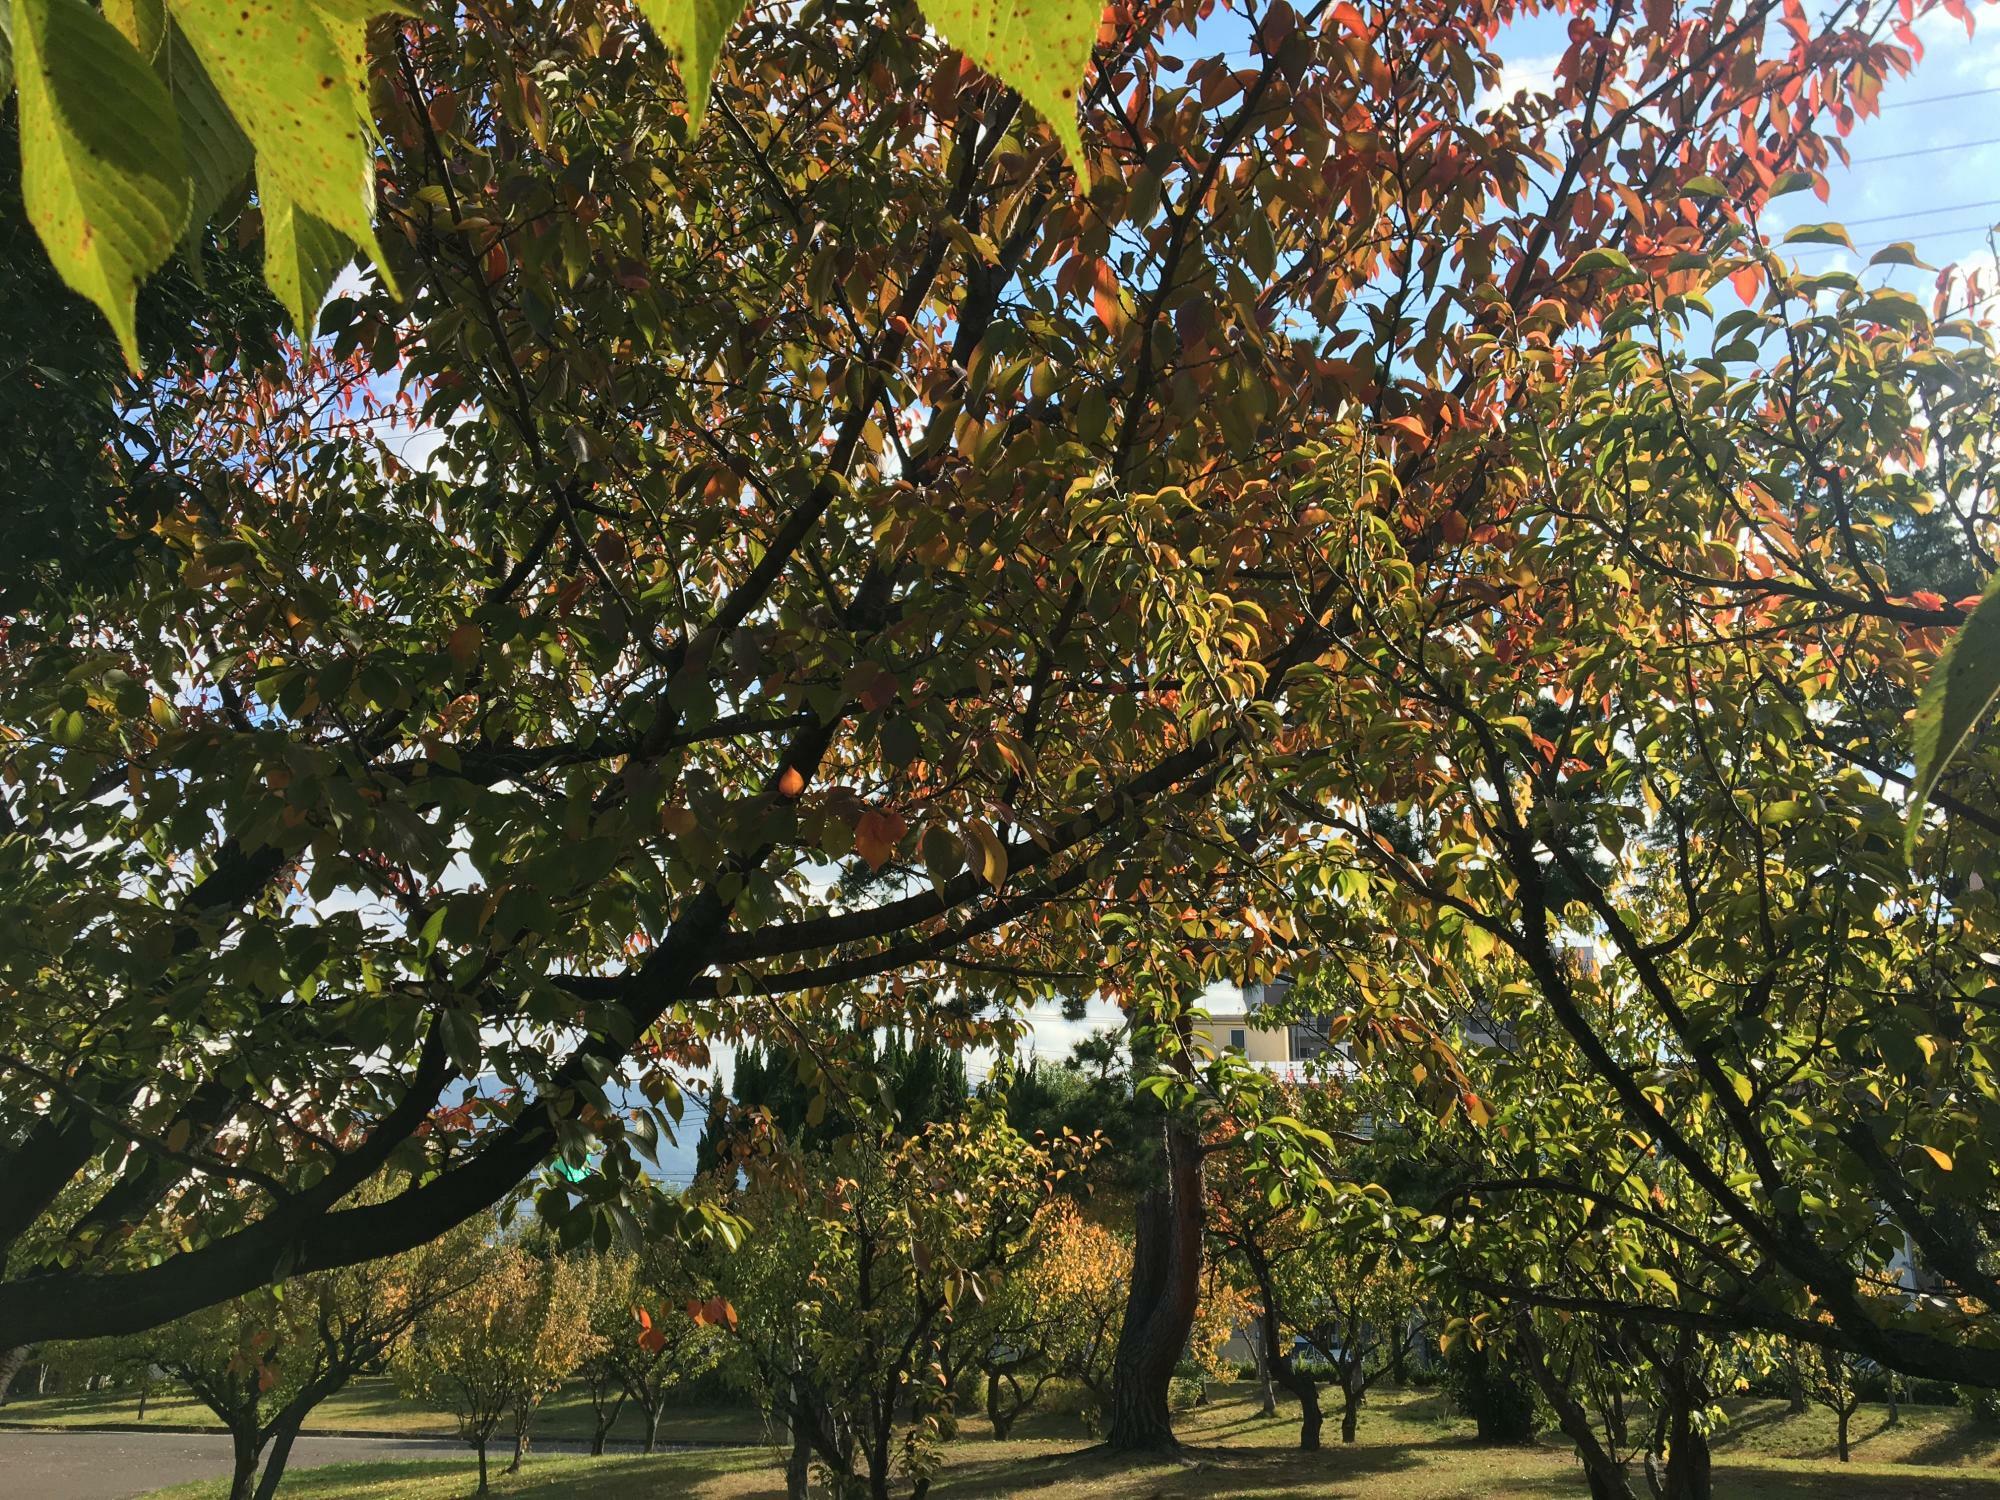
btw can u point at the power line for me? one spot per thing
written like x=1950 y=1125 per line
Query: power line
x=1942 y=98
x=1923 y=213
x=1979 y=227
x=1862 y=161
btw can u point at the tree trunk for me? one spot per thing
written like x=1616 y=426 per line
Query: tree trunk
x=1002 y=1420
x=280 y=1455
x=1601 y=1471
x=1278 y=1356
x=1160 y=1308
x=878 y=1452
x=1266 y=1387
x=145 y=1390
x=11 y=1361
x=243 y=1464
x=1843 y=1416
x=1350 y=1415
x=654 y=1411
x=1895 y=1399
x=481 y=1445
x=520 y=1448
x=1687 y=1459
x=798 y=1463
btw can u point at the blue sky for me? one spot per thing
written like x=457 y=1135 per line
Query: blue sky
x=1942 y=200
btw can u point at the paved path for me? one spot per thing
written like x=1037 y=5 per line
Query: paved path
x=115 y=1465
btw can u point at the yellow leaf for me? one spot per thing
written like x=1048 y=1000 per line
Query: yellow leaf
x=693 y=31
x=1943 y=1161
x=992 y=854
x=1038 y=48
x=295 y=77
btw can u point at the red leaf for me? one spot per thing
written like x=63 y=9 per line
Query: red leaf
x=1411 y=427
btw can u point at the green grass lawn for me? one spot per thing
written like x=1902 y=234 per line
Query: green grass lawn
x=1411 y=1448
x=373 y=1404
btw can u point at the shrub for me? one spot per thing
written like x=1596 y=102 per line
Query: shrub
x=1493 y=1390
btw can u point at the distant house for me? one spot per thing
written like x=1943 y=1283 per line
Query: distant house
x=1279 y=1046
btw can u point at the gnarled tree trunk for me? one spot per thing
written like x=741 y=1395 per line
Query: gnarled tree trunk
x=243 y=1464
x=1686 y=1475
x=1159 y=1312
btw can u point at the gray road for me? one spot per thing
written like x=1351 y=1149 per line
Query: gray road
x=114 y=1465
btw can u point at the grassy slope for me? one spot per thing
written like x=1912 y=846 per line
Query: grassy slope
x=1410 y=1449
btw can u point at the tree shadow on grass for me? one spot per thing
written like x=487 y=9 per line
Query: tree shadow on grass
x=1192 y=1471
x=1959 y=1442
x=1756 y=1482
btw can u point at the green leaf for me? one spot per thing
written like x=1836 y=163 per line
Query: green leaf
x=1964 y=682
x=1819 y=234
x=1038 y=48
x=295 y=77
x=301 y=257
x=1604 y=258
x=1900 y=253
x=143 y=23
x=102 y=173
x=693 y=31
x=218 y=153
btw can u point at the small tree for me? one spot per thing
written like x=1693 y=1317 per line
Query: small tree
x=498 y=1347
x=1354 y=1311
x=1489 y=1384
x=1832 y=1381
x=1223 y=1311
x=1055 y=1319
x=861 y=1259
x=263 y=1362
x=646 y=1340
x=613 y=1278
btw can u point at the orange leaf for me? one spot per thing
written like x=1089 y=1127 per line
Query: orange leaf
x=1411 y=427
x=1104 y=298
x=791 y=783
x=876 y=835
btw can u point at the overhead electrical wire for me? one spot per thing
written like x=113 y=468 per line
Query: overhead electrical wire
x=1862 y=161
x=1924 y=213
